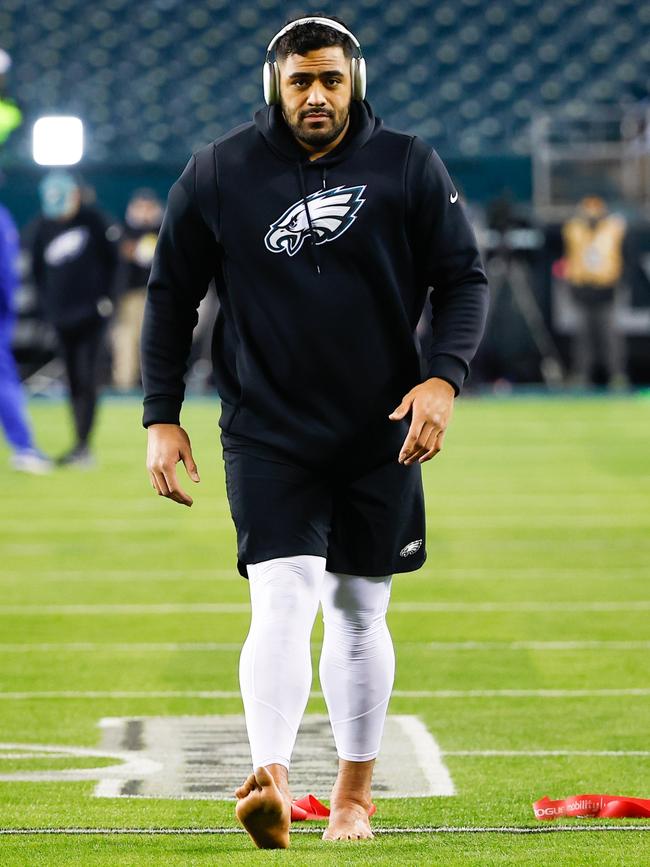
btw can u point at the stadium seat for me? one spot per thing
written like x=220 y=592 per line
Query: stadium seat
x=153 y=82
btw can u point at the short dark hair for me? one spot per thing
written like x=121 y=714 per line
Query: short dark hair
x=311 y=37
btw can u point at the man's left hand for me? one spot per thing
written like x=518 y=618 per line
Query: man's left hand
x=431 y=404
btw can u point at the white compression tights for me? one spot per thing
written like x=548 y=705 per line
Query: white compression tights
x=357 y=664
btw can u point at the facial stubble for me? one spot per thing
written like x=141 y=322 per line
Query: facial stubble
x=315 y=137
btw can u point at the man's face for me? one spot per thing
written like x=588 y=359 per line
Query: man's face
x=315 y=94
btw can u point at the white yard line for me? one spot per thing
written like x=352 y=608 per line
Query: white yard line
x=244 y=607
x=493 y=573
x=545 y=753
x=103 y=524
x=226 y=647
x=318 y=829
x=65 y=576
x=563 y=522
x=528 y=607
x=594 y=644
x=520 y=693
x=155 y=608
x=118 y=694
x=429 y=755
x=122 y=647
x=398 y=693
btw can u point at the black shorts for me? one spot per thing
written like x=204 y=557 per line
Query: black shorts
x=365 y=516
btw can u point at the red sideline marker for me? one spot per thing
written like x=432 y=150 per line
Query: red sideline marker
x=598 y=806
x=310 y=809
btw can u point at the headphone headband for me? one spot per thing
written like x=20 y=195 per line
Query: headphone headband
x=272 y=70
x=326 y=22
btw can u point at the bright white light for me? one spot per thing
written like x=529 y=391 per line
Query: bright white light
x=58 y=141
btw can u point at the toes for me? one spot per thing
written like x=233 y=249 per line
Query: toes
x=249 y=785
x=262 y=777
x=330 y=834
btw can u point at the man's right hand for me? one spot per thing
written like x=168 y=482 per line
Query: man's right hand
x=167 y=445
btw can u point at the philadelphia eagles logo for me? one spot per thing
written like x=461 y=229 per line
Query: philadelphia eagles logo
x=411 y=548
x=332 y=212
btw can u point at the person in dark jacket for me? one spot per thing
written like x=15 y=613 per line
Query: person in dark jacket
x=323 y=231
x=74 y=264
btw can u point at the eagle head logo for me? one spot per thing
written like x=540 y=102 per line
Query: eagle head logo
x=332 y=212
x=411 y=548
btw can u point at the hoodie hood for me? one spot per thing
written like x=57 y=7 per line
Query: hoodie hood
x=272 y=126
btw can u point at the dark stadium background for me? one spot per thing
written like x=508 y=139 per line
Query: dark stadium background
x=494 y=86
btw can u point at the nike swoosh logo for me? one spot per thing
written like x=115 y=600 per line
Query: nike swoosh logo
x=453 y=198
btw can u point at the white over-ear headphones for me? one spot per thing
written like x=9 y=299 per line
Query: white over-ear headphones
x=272 y=70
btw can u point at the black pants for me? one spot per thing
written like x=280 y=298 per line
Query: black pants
x=597 y=337
x=80 y=348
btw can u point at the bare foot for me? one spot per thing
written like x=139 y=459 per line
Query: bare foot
x=264 y=809
x=350 y=801
x=348 y=821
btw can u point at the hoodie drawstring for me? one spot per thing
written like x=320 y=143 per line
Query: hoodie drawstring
x=312 y=238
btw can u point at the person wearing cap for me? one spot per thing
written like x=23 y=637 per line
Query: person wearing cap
x=25 y=457
x=323 y=232
x=74 y=262
x=137 y=245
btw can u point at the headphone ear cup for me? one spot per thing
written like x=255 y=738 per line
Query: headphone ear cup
x=271 y=78
x=358 y=71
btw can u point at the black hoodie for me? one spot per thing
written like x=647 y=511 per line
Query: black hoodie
x=74 y=262
x=322 y=269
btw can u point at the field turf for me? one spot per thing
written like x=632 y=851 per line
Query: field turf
x=526 y=634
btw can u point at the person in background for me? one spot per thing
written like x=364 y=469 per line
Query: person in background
x=74 y=265
x=142 y=223
x=13 y=412
x=10 y=115
x=593 y=250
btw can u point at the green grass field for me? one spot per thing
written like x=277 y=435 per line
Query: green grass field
x=527 y=632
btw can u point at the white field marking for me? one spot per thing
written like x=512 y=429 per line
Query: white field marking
x=210 y=740
x=130 y=764
x=561 y=521
x=68 y=527
x=244 y=607
x=545 y=753
x=550 y=573
x=155 y=608
x=593 y=644
x=398 y=693
x=110 y=788
x=547 y=828
x=218 y=647
x=615 y=605
x=429 y=755
x=112 y=575
x=566 y=521
x=118 y=694
x=134 y=647
x=11 y=756
x=520 y=693
x=495 y=573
